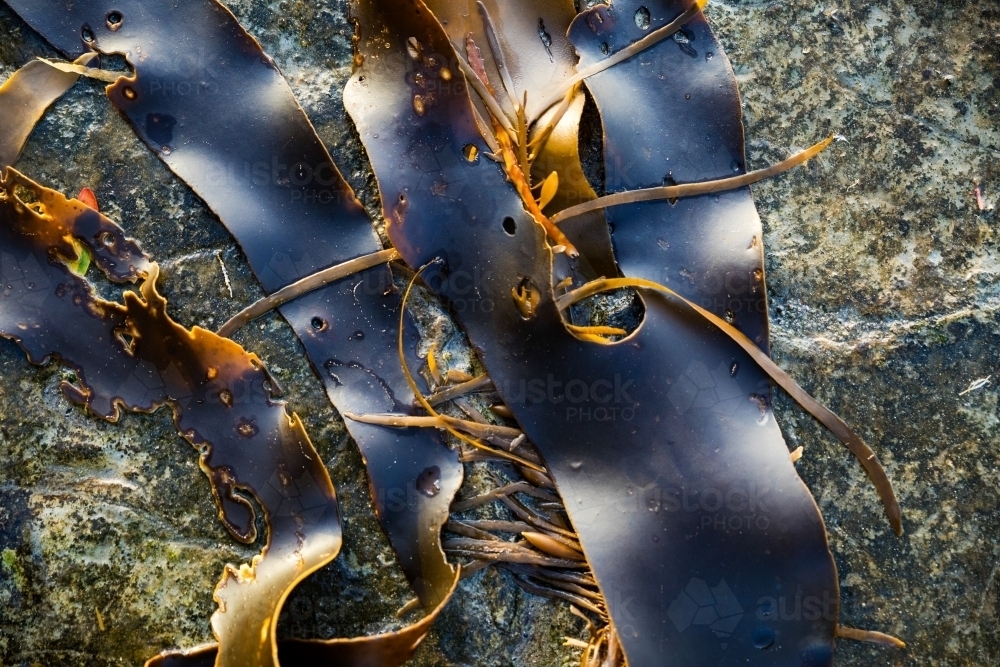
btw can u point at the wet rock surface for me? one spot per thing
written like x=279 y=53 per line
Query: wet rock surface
x=882 y=278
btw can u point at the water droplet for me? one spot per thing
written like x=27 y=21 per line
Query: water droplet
x=642 y=18
x=87 y=34
x=166 y=150
x=445 y=74
x=708 y=55
x=653 y=505
x=471 y=152
x=226 y=397
x=687 y=96
x=576 y=465
x=418 y=105
x=429 y=481
x=247 y=428
x=730 y=316
x=129 y=93
x=318 y=323
x=545 y=37
x=733 y=369
x=736 y=166
x=357 y=335
x=766 y=608
x=413 y=48
x=758 y=275
x=762 y=637
x=604 y=48
x=212 y=372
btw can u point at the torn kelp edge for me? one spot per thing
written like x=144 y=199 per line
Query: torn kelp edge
x=244 y=145
x=132 y=356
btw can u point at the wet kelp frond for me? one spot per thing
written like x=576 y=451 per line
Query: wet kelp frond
x=133 y=356
x=292 y=221
x=574 y=400
x=837 y=426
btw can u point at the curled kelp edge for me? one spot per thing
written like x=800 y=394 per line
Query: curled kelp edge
x=390 y=649
x=25 y=97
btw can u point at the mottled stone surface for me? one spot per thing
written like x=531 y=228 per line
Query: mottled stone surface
x=883 y=286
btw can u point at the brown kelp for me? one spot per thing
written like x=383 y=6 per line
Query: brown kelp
x=132 y=356
x=651 y=462
x=674 y=411
x=228 y=125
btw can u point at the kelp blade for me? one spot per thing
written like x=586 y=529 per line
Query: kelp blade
x=647 y=438
x=243 y=144
x=131 y=355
